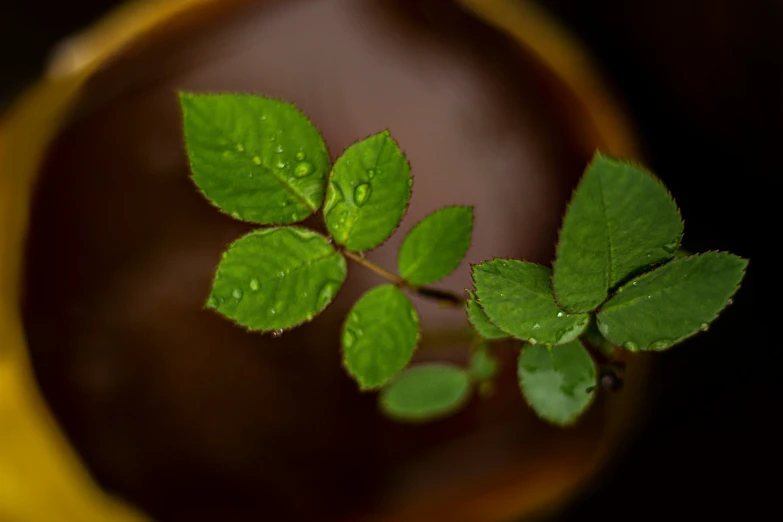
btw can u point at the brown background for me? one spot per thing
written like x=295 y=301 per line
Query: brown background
x=704 y=82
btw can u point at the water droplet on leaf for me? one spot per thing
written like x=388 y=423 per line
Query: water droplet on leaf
x=211 y=302
x=303 y=169
x=630 y=346
x=327 y=293
x=237 y=293
x=240 y=147
x=362 y=193
x=279 y=149
x=256 y=160
x=281 y=274
x=371 y=173
x=660 y=345
x=704 y=327
x=560 y=314
x=300 y=156
x=280 y=164
x=348 y=339
x=277 y=333
x=536 y=326
x=254 y=285
x=533 y=341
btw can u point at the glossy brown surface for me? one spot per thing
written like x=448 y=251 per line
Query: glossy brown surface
x=194 y=419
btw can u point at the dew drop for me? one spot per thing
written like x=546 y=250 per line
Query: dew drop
x=533 y=341
x=240 y=147
x=671 y=247
x=211 y=302
x=272 y=311
x=630 y=346
x=254 y=285
x=560 y=314
x=704 y=327
x=303 y=169
x=635 y=283
x=348 y=339
x=280 y=164
x=410 y=182
x=279 y=149
x=362 y=193
x=257 y=160
x=277 y=333
x=536 y=326
x=659 y=345
x=236 y=215
x=730 y=302
x=300 y=156
x=237 y=293
x=283 y=203
x=281 y=274
x=649 y=297
x=371 y=173
x=327 y=293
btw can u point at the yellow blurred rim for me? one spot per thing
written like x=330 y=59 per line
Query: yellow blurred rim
x=32 y=448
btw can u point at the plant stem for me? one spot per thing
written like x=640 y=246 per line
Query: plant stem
x=443 y=296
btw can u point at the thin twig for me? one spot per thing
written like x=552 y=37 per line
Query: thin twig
x=442 y=296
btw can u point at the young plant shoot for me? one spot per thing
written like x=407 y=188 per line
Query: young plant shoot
x=619 y=281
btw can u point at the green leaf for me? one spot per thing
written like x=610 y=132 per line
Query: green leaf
x=258 y=159
x=665 y=306
x=555 y=380
x=426 y=392
x=480 y=321
x=436 y=245
x=620 y=220
x=483 y=366
x=379 y=336
x=368 y=193
x=277 y=278
x=517 y=298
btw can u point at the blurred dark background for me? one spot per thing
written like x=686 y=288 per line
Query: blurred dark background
x=704 y=82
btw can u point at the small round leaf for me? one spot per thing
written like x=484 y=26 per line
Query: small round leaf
x=368 y=193
x=435 y=246
x=517 y=298
x=426 y=392
x=257 y=159
x=555 y=380
x=277 y=278
x=379 y=336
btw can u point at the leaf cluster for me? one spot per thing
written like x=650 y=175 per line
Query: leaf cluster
x=615 y=282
